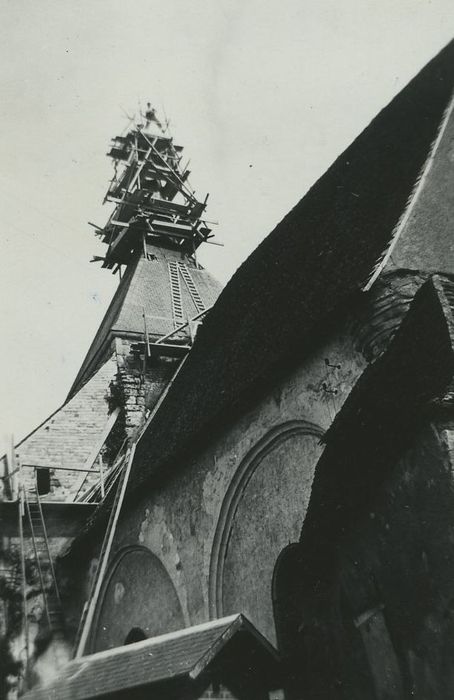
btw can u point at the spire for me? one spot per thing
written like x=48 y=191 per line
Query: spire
x=152 y=237
x=149 y=326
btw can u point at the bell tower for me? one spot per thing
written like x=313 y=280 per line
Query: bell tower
x=152 y=236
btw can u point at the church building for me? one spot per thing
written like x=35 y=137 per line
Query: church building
x=249 y=491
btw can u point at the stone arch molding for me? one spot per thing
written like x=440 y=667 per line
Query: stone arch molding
x=137 y=592
x=232 y=499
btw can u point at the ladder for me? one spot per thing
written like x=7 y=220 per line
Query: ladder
x=51 y=596
x=88 y=611
x=83 y=630
x=193 y=291
x=175 y=291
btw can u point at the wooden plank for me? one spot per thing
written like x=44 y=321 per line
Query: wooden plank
x=54 y=468
x=93 y=454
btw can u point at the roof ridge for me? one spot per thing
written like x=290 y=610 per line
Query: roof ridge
x=413 y=197
x=159 y=639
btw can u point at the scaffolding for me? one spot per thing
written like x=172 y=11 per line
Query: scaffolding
x=152 y=196
x=24 y=492
x=153 y=204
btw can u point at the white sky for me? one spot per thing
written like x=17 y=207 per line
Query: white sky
x=262 y=94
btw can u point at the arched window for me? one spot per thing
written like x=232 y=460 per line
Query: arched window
x=136 y=634
x=262 y=511
x=138 y=594
x=286 y=594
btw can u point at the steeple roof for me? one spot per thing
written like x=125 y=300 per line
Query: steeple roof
x=152 y=234
x=146 y=288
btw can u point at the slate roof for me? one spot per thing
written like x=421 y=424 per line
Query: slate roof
x=187 y=652
x=298 y=280
x=426 y=240
x=394 y=396
x=145 y=286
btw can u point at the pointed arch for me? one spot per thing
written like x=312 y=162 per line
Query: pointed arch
x=290 y=450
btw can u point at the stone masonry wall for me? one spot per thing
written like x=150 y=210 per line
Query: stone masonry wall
x=194 y=523
x=139 y=385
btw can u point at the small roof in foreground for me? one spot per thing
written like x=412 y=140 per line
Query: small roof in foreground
x=186 y=654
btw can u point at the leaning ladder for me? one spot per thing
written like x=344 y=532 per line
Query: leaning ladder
x=90 y=604
x=51 y=595
x=193 y=291
x=88 y=611
x=175 y=291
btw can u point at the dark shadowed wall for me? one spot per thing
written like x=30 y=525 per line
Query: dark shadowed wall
x=382 y=623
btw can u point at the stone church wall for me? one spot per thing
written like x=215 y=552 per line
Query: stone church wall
x=216 y=527
x=219 y=524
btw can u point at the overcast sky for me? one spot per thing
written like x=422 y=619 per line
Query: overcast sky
x=263 y=94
